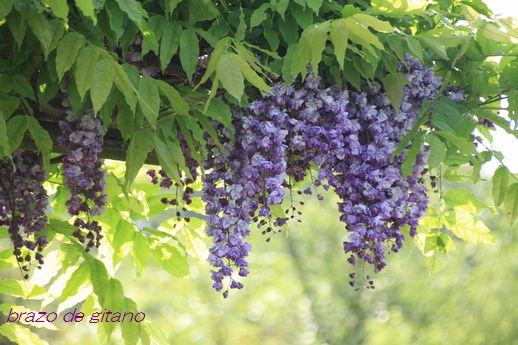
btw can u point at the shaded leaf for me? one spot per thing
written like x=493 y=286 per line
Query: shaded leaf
x=259 y=15
x=42 y=139
x=172 y=32
x=230 y=75
x=85 y=69
x=339 y=37
x=173 y=96
x=20 y=335
x=149 y=99
x=464 y=146
x=171 y=260
x=78 y=278
x=394 y=85
x=408 y=163
x=134 y=11
x=437 y=151
x=140 y=145
x=189 y=52
x=101 y=84
x=511 y=202
x=141 y=251
x=59 y=8
x=500 y=182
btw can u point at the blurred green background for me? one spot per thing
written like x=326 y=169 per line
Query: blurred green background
x=298 y=294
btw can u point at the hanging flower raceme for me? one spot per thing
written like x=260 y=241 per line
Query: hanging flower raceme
x=23 y=201
x=348 y=136
x=83 y=175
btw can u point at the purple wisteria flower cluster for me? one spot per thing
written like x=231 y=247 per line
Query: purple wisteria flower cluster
x=347 y=137
x=23 y=201
x=83 y=175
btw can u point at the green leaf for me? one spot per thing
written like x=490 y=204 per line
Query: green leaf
x=61 y=227
x=124 y=232
x=140 y=145
x=87 y=8
x=173 y=96
x=197 y=132
x=361 y=35
x=85 y=69
x=12 y=287
x=4 y=139
x=339 y=37
x=464 y=146
x=511 y=202
x=509 y=76
x=165 y=159
x=130 y=330
x=152 y=33
x=436 y=46
x=461 y=196
x=176 y=152
x=286 y=28
x=16 y=128
x=272 y=38
x=149 y=99
x=350 y=10
x=171 y=260
x=500 y=182
x=22 y=86
x=230 y=75
x=17 y=25
x=241 y=27
x=101 y=84
x=42 y=139
x=134 y=11
x=43 y=29
x=219 y=49
x=141 y=251
x=394 y=85
x=414 y=46
x=116 y=18
x=170 y=5
x=376 y=24
x=59 y=8
x=437 y=151
x=469 y=228
x=5 y=8
x=67 y=52
x=172 y=32
x=315 y=4
x=78 y=278
x=201 y=10
x=280 y=6
x=259 y=15
x=124 y=85
x=20 y=335
x=303 y=16
x=100 y=279
x=125 y=121
x=220 y=111
x=408 y=163
x=310 y=48
x=189 y=52
x=250 y=75
x=401 y=7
